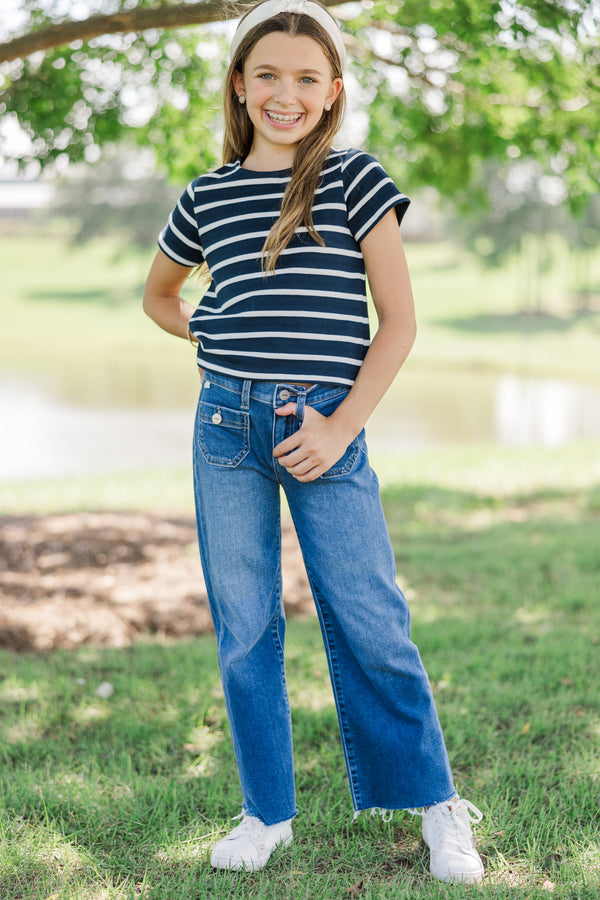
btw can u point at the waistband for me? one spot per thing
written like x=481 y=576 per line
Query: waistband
x=274 y=393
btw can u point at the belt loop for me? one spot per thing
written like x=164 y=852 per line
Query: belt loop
x=300 y=401
x=246 y=394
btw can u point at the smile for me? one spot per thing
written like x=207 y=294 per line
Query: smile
x=283 y=118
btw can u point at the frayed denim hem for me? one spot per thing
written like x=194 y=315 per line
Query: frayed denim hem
x=387 y=814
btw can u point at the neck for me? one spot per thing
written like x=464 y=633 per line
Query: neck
x=270 y=162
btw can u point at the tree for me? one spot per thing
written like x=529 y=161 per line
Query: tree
x=524 y=215
x=447 y=85
x=118 y=196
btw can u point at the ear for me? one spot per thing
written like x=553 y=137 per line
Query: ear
x=336 y=86
x=238 y=82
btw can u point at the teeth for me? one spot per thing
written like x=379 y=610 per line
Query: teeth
x=280 y=117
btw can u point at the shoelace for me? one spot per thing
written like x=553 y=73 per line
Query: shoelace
x=248 y=825
x=469 y=808
x=459 y=813
x=452 y=806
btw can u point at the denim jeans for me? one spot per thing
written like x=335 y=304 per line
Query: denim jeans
x=391 y=737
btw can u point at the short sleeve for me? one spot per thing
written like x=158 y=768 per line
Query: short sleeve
x=369 y=192
x=180 y=238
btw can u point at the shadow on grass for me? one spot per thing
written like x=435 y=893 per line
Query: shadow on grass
x=514 y=323
x=128 y=792
x=529 y=559
x=98 y=297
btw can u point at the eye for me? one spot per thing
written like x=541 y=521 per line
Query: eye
x=266 y=76
x=308 y=80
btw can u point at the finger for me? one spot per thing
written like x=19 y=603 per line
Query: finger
x=293 y=457
x=287 y=410
x=311 y=475
x=296 y=463
x=288 y=445
x=283 y=448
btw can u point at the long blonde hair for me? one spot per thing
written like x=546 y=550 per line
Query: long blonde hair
x=312 y=150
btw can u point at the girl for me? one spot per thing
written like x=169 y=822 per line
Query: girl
x=287 y=228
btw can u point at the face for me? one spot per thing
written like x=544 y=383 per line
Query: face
x=287 y=82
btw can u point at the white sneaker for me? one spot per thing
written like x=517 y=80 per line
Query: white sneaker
x=250 y=844
x=447 y=833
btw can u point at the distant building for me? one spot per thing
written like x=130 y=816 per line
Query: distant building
x=21 y=199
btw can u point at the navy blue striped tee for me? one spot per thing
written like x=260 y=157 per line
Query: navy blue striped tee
x=307 y=321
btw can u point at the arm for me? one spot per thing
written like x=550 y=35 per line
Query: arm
x=161 y=295
x=389 y=280
x=321 y=441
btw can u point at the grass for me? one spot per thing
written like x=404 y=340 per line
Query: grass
x=475 y=318
x=74 y=322
x=122 y=797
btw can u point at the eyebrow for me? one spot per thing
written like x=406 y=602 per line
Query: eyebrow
x=275 y=69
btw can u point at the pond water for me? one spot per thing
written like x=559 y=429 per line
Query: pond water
x=44 y=435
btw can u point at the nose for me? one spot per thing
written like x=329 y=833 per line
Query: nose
x=286 y=92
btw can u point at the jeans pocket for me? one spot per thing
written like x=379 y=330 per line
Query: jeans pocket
x=222 y=434
x=345 y=464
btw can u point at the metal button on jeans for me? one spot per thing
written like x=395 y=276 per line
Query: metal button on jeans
x=285 y=395
x=217 y=418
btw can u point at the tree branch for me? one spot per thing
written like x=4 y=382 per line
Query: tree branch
x=362 y=51
x=169 y=15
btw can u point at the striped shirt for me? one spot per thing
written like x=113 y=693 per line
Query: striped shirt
x=308 y=321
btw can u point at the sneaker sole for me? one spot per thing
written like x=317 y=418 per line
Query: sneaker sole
x=463 y=878
x=240 y=865
x=219 y=862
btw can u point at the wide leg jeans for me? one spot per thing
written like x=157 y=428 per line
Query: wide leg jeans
x=391 y=736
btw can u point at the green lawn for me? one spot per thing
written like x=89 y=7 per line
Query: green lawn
x=475 y=318
x=121 y=797
x=74 y=322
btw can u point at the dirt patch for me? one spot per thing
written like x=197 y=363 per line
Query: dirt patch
x=107 y=579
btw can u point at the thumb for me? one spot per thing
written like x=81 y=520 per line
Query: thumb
x=288 y=410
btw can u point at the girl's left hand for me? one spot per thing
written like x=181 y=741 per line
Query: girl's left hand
x=315 y=447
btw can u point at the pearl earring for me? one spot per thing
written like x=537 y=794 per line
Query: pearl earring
x=242 y=99
x=327 y=107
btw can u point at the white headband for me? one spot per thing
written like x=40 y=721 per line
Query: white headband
x=271 y=8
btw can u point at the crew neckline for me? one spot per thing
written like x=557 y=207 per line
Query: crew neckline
x=277 y=172
x=263 y=171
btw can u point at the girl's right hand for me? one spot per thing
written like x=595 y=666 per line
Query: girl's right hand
x=318 y=444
